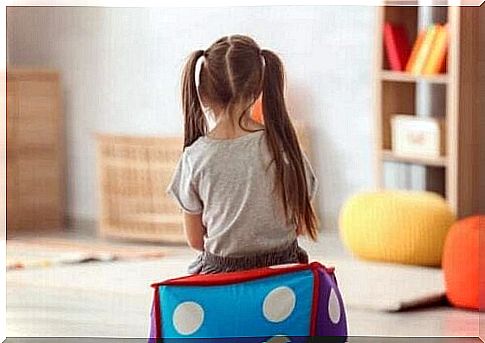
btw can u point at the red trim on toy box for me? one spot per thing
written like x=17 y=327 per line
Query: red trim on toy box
x=158 y=319
x=315 y=302
x=237 y=277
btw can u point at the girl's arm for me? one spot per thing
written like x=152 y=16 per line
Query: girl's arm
x=194 y=231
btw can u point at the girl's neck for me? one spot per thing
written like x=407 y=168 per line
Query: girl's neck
x=227 y=127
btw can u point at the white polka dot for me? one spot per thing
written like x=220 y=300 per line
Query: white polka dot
x=188 y=317
x=278 y=339
x=279 y=266
x=279 y=304
x=333 y=307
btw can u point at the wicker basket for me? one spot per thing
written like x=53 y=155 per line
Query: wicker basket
x=133 y=174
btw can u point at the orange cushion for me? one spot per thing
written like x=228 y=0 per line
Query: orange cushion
x=461 y=262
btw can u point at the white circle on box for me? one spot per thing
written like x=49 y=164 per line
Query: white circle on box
x=278 y=339
x=333 y=307
x=188 y=318
x=279 y=304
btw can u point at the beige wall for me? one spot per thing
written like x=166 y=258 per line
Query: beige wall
x=121 y=67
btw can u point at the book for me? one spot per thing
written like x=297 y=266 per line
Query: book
x=444 y=66
x=424 y=50
x=397 y=46
x=414 y=51
x=437 y=56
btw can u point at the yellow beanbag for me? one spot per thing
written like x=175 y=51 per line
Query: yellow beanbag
x=406 y=227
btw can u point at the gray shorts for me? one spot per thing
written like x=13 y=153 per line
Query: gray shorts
x=207 y=263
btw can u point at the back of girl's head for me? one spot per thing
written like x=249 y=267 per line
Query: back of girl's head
x=233 y=74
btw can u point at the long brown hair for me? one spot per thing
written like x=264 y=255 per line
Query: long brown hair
x=233 y=74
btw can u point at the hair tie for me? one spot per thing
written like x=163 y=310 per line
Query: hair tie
x=198 y=69
x=263 y=60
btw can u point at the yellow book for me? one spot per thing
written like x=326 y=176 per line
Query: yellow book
x=437 y=55
x=424 y=50
x=414 y=52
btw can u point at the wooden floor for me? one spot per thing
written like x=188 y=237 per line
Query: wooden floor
x=112 y=299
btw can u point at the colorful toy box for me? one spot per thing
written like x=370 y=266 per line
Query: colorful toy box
x=287 y=303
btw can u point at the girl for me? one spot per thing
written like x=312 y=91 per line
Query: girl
x=245 y=189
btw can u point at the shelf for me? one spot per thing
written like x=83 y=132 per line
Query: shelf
x=399 y=76
x=390 y=156
x=452 y=95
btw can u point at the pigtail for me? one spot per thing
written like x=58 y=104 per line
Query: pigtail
x=195 y=122
x=291 y=181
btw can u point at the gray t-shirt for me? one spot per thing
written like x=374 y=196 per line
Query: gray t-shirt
x=229 y=182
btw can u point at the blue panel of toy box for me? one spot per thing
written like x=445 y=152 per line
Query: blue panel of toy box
x=244 y=309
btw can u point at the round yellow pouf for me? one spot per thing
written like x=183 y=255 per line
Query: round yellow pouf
x=406 y=227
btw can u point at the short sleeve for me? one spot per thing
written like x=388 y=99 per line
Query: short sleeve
x=311 y=179
x=183 y=189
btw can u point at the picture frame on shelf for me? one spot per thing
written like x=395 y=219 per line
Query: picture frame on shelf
x=413 y=136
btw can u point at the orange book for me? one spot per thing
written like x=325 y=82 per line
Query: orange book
x=424 y=50
x=414 y=52
x=437 y=55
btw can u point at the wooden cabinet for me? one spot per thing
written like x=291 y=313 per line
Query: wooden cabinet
x=35 y=151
